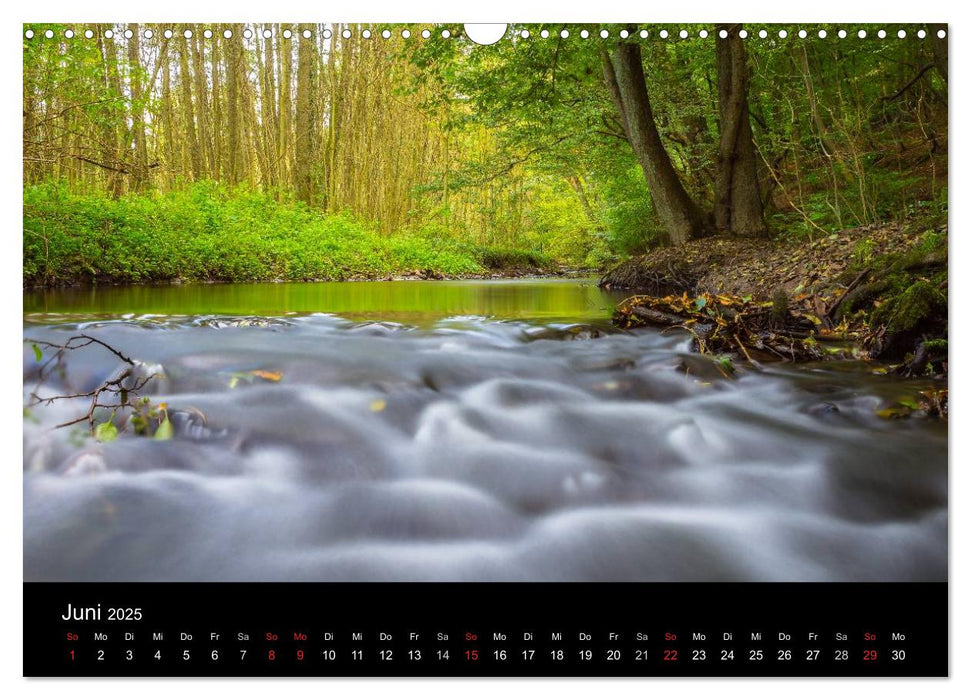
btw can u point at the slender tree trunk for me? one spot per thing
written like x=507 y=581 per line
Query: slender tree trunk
x=939 y=47
x=208 y=157
x=255 y=139
x=738 y=204
x=109 y=61
x=268 y=112
x=30 y=136
x=576 y=184
x=234 y=160
x=681 y=217
x=303 y=141
x=140 y=155
x=285 y=86
x=168 y=124
x=194 y=155
x=334 y=123
x=218 y=123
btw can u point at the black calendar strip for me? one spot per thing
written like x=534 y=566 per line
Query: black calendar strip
x=337 y=629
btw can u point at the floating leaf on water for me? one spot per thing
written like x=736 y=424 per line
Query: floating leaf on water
x=895 y=412
x=38 y=354
x=378 y=405
x=250 y=375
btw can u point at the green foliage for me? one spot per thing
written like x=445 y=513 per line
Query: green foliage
x=537 y=167
x=107 y=431
x=632 y=226
x=208 y=232
x=863 y=252
x=511 y=258
x=164 y=430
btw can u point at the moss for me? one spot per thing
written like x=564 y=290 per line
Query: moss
x=937 y=346
x=863 y=252
x=860 y=298
x=907 y=310
x=929 y=251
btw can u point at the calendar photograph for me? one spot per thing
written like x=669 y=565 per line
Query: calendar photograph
x=435 y=303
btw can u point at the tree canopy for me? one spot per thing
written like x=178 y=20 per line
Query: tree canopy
x=584 y=148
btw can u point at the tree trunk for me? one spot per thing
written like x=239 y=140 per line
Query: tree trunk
x=268 y=110
x=208 y=163
x=218 y=123
x=285 y=46
x=234 y=160
x=738 y=203
x=140 y=154
x=193 y=153
x=109 y=61
x=168 y=123
x=680 y=216
x=939 y=47
x=302 y=143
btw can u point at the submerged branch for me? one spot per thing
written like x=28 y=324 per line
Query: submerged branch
x=125 y=385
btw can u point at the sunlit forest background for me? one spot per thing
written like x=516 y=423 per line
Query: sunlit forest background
x=316 y=151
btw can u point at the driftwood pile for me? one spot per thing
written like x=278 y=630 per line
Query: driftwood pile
x=781 y=329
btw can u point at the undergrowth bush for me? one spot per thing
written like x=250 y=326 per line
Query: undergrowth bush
x=210 y=232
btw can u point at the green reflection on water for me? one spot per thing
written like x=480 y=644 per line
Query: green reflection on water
x=404 y=301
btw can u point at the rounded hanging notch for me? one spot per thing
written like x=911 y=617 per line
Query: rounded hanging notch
x=485 y=34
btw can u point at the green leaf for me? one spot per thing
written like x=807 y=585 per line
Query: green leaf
x=700 y=303
x=164 y=431
x=106 y=432
x=38 y=354
x=724 y=362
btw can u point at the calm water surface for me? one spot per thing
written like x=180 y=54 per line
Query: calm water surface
x=494 y=430
x=415 y=301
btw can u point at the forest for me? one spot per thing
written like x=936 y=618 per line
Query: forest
x=327 y=302
x=274 y=151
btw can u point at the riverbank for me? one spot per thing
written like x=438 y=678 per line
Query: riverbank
x=203 y=234
x=885 y=283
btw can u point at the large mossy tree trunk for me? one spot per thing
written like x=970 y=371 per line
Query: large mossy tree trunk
x=624 y=75
x=738 y=202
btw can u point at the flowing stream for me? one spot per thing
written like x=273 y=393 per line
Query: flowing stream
x=452 y=431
